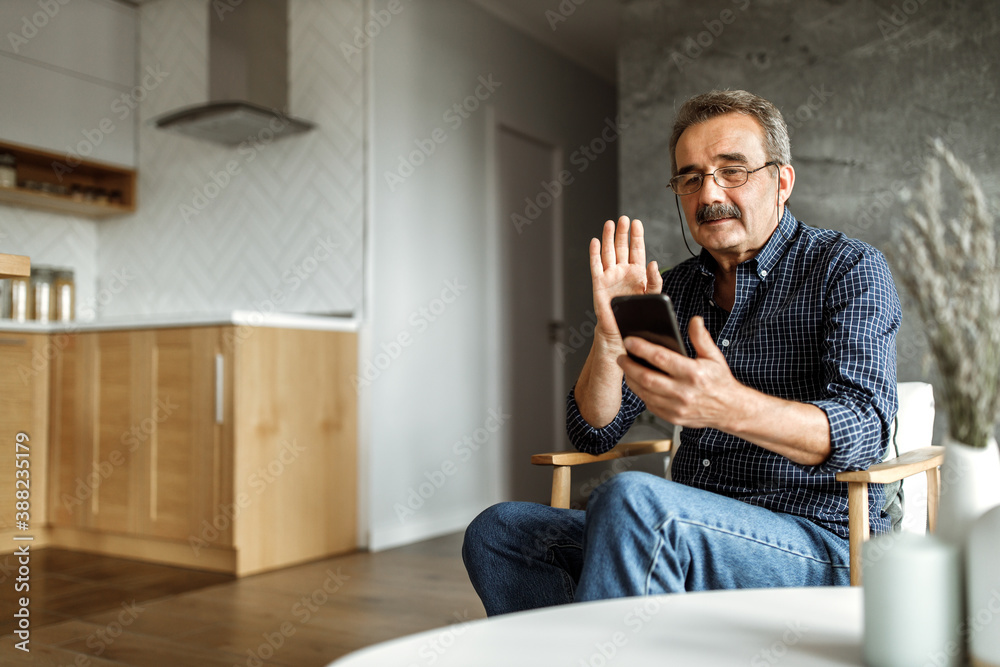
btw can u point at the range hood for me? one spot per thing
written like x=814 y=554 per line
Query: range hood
x=247 y=78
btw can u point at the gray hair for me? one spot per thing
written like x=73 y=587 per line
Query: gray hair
x=703 y=107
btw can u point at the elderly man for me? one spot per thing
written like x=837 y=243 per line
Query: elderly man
x=791 y=377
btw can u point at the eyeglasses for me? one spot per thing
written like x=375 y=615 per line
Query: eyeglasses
x=725 y=177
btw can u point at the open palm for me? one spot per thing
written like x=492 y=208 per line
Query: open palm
x=618 y=268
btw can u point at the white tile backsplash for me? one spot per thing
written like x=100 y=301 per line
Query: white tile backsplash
x=227 y=228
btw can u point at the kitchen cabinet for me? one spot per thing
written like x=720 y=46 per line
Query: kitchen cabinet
x=133 y=425
x=82 y=179
x=69 y=69
x=225 y=448
x=24 y=386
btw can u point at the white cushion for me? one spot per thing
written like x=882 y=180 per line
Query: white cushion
x=914 y=429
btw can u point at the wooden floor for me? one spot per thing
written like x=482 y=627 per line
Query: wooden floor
x=94 y=610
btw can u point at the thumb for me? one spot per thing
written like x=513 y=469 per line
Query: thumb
x=702 y=341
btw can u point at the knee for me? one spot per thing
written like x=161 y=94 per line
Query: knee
x=493 y=526
x=624 y=490
x=625 y=485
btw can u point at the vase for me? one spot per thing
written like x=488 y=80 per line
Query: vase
x=983 y=589
x=970 y=486
x=912 y=602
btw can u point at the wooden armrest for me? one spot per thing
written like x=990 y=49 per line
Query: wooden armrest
x=893 y=470
x=621 y=450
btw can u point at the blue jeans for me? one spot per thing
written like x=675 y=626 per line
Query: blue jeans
x=642 y=535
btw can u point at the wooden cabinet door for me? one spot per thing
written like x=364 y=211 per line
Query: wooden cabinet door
x=23 y=409
x=181 y=437
x=114 y=470
x=71 y=431
x=137 y=448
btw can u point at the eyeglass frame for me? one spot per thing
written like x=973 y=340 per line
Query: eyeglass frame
x=750 y=172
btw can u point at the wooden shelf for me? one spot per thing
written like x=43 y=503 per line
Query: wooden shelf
x=14 y=266
x=44 y=167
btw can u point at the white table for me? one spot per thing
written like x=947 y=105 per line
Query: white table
x=804 y=627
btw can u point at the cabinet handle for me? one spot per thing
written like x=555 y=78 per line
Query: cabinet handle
x=13 y=341
x=220 y=365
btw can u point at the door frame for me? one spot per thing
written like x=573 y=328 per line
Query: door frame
x=496 y=253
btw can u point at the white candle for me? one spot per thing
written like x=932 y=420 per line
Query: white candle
x=913 y=602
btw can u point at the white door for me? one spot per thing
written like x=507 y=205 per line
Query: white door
x=530 y=237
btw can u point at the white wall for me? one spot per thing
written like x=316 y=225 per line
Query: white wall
x=437 y=381
x=284 y=229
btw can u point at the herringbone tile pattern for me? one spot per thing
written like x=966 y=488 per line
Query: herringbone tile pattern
x=221 y=228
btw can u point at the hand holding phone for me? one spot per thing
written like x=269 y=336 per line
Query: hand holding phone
x=651 y=317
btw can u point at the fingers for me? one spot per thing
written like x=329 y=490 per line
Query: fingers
x=621 y=239
x=596 y=263
x=665 y=359
x=654 y=281
x=608 y=245
x=636 y=245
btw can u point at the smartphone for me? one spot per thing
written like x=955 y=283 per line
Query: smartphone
x=648 y=316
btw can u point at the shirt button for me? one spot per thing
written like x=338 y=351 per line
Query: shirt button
x=763 y=274
x=706 y=463
x=725 y=342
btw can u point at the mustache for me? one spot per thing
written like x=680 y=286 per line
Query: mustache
x=717 y=212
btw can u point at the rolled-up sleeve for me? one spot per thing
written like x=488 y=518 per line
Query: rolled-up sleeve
x=591 y=440
x=861 y=316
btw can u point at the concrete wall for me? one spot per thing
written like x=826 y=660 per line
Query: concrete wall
x=861 y=85
x=432 y=271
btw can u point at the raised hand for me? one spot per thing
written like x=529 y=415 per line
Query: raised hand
x=618 y=267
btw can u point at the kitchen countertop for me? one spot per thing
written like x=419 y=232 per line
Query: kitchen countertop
x=235 y=317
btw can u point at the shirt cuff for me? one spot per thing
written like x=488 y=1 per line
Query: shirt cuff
x=851 y=448
x=587 y=438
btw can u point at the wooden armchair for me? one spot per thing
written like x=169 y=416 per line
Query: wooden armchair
x=913 y=429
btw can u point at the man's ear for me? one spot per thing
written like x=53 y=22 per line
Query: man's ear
x=786 y=181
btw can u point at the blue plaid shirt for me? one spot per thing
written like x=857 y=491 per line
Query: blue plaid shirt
x=815 y=321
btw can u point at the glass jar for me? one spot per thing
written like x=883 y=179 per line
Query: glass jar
x=65 y=299
x=4 y=298
x=42 y=294
x=8 y=171
x=19 y=303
